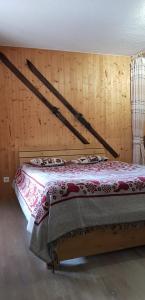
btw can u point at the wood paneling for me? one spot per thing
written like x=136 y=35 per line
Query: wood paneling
x=67 y=153
x=97 y=85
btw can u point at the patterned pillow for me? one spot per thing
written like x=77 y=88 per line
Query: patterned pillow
x=36 y=161
x=48 y=161
x=90 y=159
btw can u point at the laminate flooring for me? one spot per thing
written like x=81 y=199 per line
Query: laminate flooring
x=113 y=276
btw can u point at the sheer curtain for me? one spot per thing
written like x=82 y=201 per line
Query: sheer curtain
x=138 y=107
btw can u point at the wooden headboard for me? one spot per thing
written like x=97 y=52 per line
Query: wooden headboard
x=66 y=152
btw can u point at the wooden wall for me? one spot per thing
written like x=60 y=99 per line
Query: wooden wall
x=96 y=85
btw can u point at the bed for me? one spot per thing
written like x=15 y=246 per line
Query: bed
x=78 y=210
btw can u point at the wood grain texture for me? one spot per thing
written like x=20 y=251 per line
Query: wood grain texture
x=96 y=85
x=112 y=276
x=67 y=152
x=101 y=240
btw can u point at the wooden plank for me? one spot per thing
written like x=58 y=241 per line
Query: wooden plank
x=78 y=115
x=63 y=147
x=68 y=154
x=115 y=276
x=60 y=152
x=97 y=85
x=101 y=241
x=40 y=96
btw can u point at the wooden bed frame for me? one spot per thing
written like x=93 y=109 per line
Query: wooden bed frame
x=101 y=239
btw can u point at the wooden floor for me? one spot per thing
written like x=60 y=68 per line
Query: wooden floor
x=114 y=276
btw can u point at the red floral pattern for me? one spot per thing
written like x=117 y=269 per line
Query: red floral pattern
x=45 y=187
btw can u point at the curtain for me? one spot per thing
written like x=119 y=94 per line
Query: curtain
x=138 y=108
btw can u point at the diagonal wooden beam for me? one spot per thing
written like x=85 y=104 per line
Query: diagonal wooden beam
x=76 y=114
x=34 y=90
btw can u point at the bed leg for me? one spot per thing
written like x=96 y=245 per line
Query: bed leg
x=53 y=265
x=53 y=268
x=49 y=266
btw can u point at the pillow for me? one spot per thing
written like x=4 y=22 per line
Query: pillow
x=90 y=159
x=48 y=161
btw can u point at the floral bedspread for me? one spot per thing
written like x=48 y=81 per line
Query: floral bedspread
x=64 y=198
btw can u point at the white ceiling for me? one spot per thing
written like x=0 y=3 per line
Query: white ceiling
x=101 y=26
